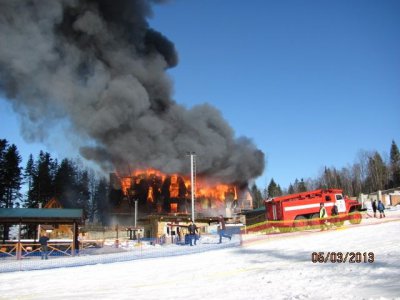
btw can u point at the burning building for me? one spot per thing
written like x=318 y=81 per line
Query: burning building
x=95 y=72
x=159 y=193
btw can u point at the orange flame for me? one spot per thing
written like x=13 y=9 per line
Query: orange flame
x=204 y=189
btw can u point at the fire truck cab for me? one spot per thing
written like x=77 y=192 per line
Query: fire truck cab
x=302 y=209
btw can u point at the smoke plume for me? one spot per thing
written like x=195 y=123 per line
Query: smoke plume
x=99 y=67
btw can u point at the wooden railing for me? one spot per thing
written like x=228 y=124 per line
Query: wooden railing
x=9 y=249
x=21 y=250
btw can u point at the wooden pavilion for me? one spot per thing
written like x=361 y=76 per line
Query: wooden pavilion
x=39 y=216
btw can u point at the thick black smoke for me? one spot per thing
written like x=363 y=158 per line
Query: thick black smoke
x=98 y=66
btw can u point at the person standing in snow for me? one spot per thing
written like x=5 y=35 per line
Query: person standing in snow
x=43 y=245
x=323 y=215
x=374 y=207
x=381 y=209
x=334 y=210
x=334 y=214
x=192 y=228
x=222 y=229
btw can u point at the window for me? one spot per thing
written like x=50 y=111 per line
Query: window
x=339 y=197
x=327 y=198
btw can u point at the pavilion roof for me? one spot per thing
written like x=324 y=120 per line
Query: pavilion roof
x=40 y=215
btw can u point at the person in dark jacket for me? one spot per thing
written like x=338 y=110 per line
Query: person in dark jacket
x=192 y=228
x=334 y=214
x=374 y=207
x=222 y=229
x=43 y=245
x=381 y=209
x=334 y=211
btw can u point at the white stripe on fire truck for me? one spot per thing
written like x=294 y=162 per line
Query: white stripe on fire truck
x=305 y=206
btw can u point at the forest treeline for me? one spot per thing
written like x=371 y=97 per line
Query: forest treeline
x=76 y=186
x=369 y=173
x=44 y=177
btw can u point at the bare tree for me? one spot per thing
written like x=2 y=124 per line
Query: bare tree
x=356 y=182
x=377 y=178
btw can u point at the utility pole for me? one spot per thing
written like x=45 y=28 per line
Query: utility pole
x=136 y=208
x=193 y=179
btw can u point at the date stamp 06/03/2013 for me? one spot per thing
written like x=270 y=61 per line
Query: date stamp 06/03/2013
x=343 y=257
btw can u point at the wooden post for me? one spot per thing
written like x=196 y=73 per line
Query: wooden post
x=77 y=238
x=73 y=239
x=117 y=240
x=19 y=248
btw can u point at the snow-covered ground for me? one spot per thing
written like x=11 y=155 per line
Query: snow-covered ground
x=277 y=267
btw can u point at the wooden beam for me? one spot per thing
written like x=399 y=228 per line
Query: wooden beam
x=73 y=239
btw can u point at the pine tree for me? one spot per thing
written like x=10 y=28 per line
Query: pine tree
x=296 y=186
x=265 y=193
x=71 y=185
x=92 y=205
x=3 y=151
x=271 y=188
x=302 y=186
x=394 y=165
x=291 y=189
x=257 y=197
x=82 y=185
x=65 y=186
x=279 y=191
x=101 y=201
x=42 y=189
x=29 y=175
x=12 y=177
x=330 y=179
x=274 y=189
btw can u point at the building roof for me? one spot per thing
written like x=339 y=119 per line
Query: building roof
x=393 y=190
x=40 y=215
x=53 y=203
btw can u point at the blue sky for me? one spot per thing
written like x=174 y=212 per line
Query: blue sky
x=310 y=82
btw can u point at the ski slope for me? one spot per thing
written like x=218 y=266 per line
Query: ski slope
x=275 y=267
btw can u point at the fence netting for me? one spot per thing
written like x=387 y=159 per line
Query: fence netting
x=108 y=246
x=28 y=255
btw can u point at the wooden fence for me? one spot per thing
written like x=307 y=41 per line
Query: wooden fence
x=20 y=250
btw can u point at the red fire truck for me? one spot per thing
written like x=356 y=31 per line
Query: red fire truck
x=302 y=209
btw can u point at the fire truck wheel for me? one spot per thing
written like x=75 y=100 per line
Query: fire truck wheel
x=355 y=217
x=314 y=221
x=300 y=223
